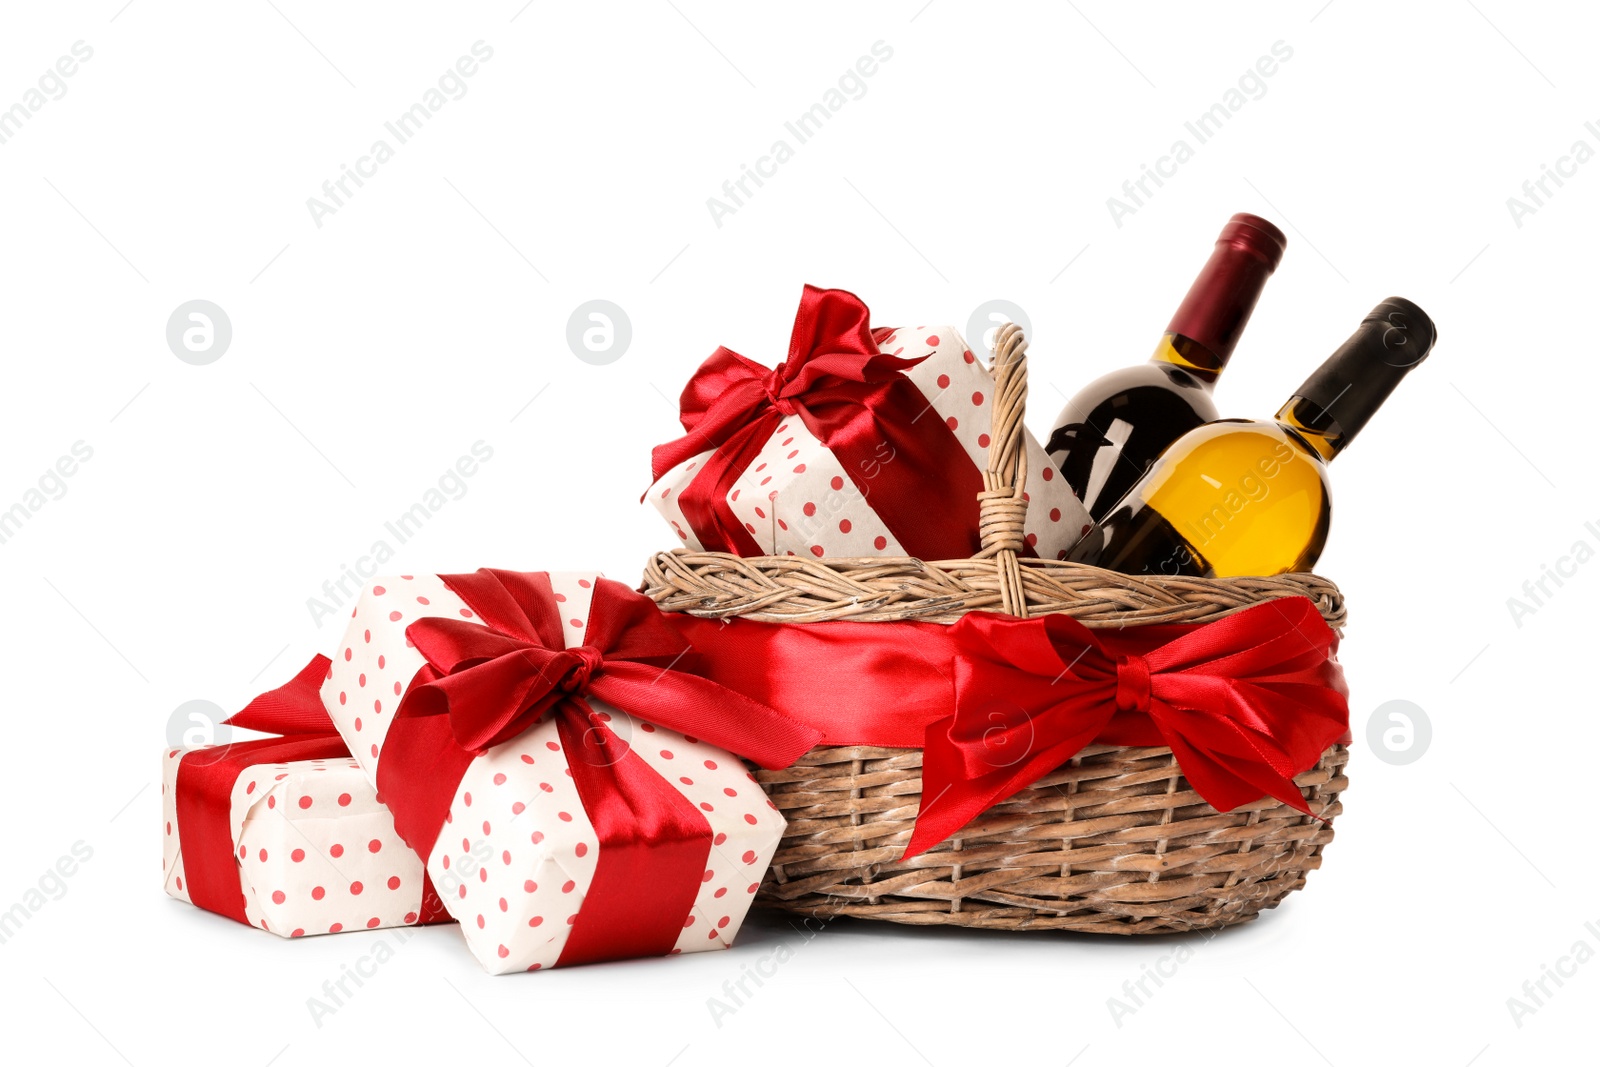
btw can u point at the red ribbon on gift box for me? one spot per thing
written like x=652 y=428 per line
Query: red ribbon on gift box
x=996 y=703
x=853 y=398
x=485 y=684
x=206 y=777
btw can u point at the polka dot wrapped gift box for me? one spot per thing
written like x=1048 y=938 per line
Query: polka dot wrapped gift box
x=285 y=832
x=487 y=708
x=313 y=852
x=863 y=442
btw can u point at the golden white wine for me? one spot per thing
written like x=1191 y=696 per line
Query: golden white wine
x=1238 y=496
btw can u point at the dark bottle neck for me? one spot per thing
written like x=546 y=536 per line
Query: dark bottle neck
x=1202 y=334
x=1343 y=394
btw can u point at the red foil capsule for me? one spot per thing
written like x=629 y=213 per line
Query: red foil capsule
x=1220 y=301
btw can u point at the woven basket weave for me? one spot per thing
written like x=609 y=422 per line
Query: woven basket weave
x=1114 y=841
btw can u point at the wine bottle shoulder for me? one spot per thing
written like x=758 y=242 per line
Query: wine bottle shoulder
x=1250 y=496
x=1127 y=385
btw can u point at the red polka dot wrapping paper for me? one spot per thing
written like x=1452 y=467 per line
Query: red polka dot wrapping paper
x=316 y=852
x=518 y=853
x=796 y=499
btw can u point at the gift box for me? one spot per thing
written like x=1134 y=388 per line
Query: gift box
x=488 y=709
x=287 y=834
x=862 y=443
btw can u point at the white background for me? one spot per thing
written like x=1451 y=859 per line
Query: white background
x=429 y=312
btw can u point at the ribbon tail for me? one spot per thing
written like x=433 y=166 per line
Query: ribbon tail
x=1283 y=788
x=950 y=800
x=1225 y=782
x=293 y=708
x=1243 y=741
x=654 y=845
x=701 y=708
x=704 y=501
x=421 y=748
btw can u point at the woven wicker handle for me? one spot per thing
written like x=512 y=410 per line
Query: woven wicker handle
x=1002 y=506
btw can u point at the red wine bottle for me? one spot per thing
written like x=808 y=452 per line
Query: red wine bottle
x=1110 y=433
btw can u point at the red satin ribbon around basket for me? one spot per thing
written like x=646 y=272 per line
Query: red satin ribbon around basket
x=853 y=398
x=1245 y=702
x=486 y=684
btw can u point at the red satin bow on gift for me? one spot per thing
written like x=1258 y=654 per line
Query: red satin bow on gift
x=486 y=684
x=206 y=777
x=1245 y=703
x=853 y=398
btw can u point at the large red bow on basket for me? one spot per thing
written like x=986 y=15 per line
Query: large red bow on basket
x=1245 y=703
x=853 y=398
x=486 y=684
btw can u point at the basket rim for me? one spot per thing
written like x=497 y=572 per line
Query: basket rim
x=904 y=588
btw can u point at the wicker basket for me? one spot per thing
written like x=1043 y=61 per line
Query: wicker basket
x=1115 y=841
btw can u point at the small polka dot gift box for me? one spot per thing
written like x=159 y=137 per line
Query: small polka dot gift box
x=542 y=740
x=315 y=851
x=285 y=832
x=863 y=442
